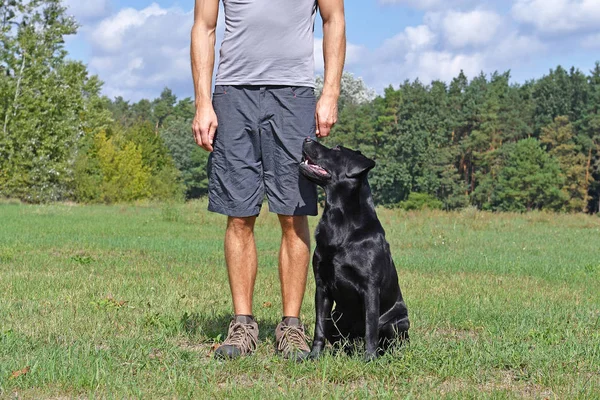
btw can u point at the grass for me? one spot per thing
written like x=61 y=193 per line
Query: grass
x=125 y=301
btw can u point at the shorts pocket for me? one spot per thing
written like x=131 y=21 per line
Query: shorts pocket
x=302 y=92
x=220 y=90
x=298 y=123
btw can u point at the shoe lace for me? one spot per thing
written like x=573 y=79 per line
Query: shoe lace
x=241 y=337
x=292 y=336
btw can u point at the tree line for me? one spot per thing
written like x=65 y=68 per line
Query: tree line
x=484 y=142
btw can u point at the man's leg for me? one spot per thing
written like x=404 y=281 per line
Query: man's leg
x=290 y=337
x=293 y=262
x=236 y=189
x=240 y=255
x=242 y=263
x=291 y=112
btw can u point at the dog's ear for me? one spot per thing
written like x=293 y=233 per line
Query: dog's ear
x=360 y=166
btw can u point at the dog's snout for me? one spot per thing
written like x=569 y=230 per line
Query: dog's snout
x=308 y=140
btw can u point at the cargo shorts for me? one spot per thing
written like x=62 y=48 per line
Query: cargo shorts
x=257 y=150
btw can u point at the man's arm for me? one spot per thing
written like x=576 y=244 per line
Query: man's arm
x=334 y=53
x=203 y=59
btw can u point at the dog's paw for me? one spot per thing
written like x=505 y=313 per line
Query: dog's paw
x=369 y=357
x=315 y=355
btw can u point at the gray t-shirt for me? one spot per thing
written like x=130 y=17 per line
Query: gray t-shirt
x=268 y=42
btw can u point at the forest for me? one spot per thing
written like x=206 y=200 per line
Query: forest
x=483 y=141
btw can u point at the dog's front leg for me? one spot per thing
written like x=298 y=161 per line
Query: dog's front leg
x=323 y=304
x=372 y=323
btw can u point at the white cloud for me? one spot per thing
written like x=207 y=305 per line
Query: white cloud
x=139 y=52
x=417 y=52
x=354 y=55
x=447 y=42
x=410 y=40
x=318 y=49
x=591 y=41
x=558 y=16
x=111 y=32
x=419 y=37
x=136 y=58
x=444 y=65
x=415 y=3
x=513 y=49
x=474 y=28
x=88 y=9
x=101 y=63
x=430 y=4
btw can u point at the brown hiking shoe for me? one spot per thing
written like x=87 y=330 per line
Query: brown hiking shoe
x=241 y=340
x=291 y=340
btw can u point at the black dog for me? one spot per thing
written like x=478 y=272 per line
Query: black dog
x=352 y=262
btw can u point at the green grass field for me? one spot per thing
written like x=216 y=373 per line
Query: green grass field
x=126 y=302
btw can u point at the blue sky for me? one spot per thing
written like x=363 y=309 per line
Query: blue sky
x=138 y=47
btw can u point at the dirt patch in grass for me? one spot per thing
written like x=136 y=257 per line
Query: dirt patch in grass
x=50 y=393
x=96 y=254
x=457 y=334
x=506 y=381
x=196 y=347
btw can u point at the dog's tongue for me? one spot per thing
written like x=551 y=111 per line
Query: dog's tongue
x=317 y=168
x=314 y=167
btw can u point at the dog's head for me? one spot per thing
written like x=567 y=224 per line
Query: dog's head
x=325 y=166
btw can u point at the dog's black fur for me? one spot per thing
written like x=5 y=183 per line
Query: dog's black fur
x=352 y=263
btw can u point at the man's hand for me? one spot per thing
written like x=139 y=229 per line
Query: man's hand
x=326 y=115
x=204 y=126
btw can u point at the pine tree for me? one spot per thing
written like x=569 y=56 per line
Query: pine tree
x=590 y=139
x=529 y=179
x=559 y=140
x=163 y=107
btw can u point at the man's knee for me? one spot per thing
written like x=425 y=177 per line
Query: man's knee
x=240 y=226
x=297 y=225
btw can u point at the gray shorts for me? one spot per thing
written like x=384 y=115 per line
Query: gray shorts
x=258 y=149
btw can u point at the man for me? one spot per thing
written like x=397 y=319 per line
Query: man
x=262 y=109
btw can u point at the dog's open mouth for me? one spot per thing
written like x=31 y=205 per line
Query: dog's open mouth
x=308 y=164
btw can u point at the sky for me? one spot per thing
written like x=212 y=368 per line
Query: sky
x=139 y=47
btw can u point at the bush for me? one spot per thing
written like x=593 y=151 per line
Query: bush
x=124 y=175
x=420 y=201
x=126 y=165
x=189 y=158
